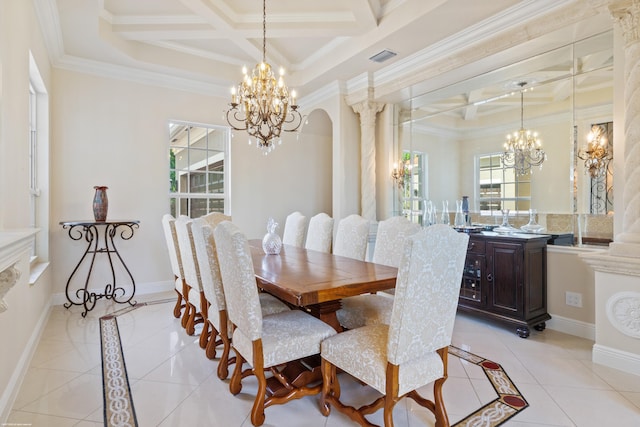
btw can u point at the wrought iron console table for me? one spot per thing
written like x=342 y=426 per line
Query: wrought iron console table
x=98 y=243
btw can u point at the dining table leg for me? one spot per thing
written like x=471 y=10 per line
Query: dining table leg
x=326 y=312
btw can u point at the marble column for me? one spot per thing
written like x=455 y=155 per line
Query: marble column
x=617 y=271
x=626 y=14
x=368 y=110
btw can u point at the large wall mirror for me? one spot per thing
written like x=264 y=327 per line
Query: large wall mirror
x=457 y=134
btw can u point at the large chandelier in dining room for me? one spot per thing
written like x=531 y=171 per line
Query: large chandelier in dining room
x=262 y=105
x=597 y=155
x=522 y=150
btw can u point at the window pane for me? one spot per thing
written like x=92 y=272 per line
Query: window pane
x=524 y=189
x=196 y=167
x=509 y=190
x=198 y=208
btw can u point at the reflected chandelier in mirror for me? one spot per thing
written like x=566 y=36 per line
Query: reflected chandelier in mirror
x=522 y=149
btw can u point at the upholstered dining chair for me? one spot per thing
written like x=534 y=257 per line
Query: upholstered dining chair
x=320 y=233
x=196 y=301
x=371 y=309
x=182 y=291
x=207 y=256
x=410 y=352
x=209 y=274
x=266 y=343
x=351 y=237
x=294 y=229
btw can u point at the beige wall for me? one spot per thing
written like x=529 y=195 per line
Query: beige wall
x=566 y=272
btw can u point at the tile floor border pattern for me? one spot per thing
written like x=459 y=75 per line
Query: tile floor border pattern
x=509 y=401
x=119 y=410
x=118 y=406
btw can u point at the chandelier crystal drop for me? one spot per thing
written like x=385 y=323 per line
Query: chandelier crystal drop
x=261 y=104
x=522 y=150
x=597 y=155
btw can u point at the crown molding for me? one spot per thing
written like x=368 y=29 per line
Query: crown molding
x=111 y=71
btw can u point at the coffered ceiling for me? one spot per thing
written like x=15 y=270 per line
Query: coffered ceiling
x=201 y=45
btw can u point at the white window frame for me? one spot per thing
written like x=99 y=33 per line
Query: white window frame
x=506 y=176
x=181 y=194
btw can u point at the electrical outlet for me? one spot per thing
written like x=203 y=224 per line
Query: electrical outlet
x=573 y=299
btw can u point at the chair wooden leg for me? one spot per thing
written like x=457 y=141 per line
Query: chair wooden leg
x=205 y=336
x=177 y=310
x=185 y=315
x=257 y=412
x=212 y=345
x=328 y=377
x=204 y=309
x=442 y=419
x=223 y=365
x=391 y=393
x=185 y=293
x=191 y=322
x=235 y=385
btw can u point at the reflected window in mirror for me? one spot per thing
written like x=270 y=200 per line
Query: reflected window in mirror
x=197 y=169
x=499 y=187
x=413 y=189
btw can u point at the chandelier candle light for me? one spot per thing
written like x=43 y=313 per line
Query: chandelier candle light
x=597 y=155
x=522 y=149
x=262 y=105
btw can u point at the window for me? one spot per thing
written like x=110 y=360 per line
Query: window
x=414 y=185
x=500 y=188
x=38 y=143
x=197 y=173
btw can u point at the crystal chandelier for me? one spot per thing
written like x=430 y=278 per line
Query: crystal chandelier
x=522 y=149
x=262 y=105
x=597 y=155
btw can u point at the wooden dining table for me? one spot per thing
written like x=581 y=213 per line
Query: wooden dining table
x=317 y=281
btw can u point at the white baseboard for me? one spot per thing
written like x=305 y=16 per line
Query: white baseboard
x=572 y=327
x=9 y=395
x=141 y=289
x=617 y=359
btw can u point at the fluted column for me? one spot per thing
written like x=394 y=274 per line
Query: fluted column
x=626 y=14
x=367 y=110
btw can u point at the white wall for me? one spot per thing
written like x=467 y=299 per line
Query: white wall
x=28 y=304
x=114 y=133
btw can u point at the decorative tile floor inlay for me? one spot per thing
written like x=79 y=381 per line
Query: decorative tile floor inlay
x=118 y=402
x=509 y=401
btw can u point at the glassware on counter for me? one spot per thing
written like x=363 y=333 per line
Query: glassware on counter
x=444 y=218
x=505 y=227
x=458 y=220
x=465 y=211
x=532 y=226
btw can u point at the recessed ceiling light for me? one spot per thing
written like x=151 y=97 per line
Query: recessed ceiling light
x=383 y=55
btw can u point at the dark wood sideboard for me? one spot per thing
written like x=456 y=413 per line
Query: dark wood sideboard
x=505 y=279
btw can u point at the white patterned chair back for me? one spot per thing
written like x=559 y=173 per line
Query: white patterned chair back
x=238 y=280
x=351 y=237
x=391 y=237
x=208 y=263
x=427 y=290
x=169 y=227
x=320 y=233
x=215 y=218
x=187 y=252
x=294 y=229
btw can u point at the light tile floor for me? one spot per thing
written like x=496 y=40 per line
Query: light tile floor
x=174 y=384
